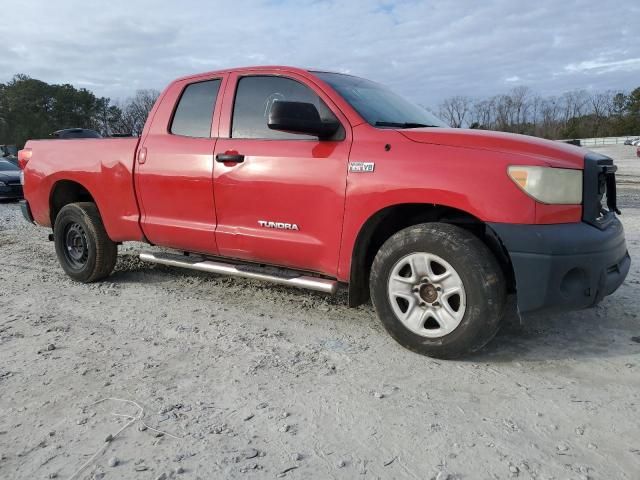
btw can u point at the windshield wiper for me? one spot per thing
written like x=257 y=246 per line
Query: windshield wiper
x=402 y=125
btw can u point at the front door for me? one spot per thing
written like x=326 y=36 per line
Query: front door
x=174 y=172
x=279 y=196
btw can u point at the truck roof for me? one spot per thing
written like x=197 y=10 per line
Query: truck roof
x=282 y=68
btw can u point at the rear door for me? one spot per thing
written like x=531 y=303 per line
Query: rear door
x=175 y=167
x=280 y=200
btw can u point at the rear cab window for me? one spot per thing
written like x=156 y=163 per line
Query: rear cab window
x=194 y=114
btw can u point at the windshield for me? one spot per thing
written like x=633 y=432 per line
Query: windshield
x=378 y=105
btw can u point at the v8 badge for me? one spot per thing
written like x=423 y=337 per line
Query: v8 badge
x=362 y=167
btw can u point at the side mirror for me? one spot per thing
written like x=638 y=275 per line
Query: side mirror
x=300 y=117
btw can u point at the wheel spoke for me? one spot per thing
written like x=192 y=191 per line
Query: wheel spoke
x=407 y=296
x=450 y=312
x=429 y=260
x=421 y=266
x=397 y=281
x=451 y=291
x=415 y=317
x=446 y=321
x=429 y=269
x=449 y=281
x=447 y=275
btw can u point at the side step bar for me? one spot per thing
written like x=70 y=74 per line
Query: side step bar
x=301 y=281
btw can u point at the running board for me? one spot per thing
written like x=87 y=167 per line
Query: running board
x=300 y=281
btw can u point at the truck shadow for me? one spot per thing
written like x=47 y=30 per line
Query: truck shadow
x=610 y=329
x=600 y=332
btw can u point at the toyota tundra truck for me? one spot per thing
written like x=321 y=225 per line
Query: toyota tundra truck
x=315 y=179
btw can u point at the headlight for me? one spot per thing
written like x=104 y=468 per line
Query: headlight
x=549 y=185
x=2 y=184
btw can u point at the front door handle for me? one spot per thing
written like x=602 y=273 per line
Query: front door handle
x=229 y=157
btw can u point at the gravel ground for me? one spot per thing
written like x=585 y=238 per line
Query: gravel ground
x=249 y=380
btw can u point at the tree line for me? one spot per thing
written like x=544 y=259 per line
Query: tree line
x=31 y=108
x=574 y=114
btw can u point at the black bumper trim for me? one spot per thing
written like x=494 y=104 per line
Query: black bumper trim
x=565 y=266
x=26 y=211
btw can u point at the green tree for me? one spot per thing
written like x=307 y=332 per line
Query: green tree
x=633 y=111
x=31 y=109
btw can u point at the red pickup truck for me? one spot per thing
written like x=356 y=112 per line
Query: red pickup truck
x=311 y=179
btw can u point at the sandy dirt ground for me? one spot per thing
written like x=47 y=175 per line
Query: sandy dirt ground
x=249 y=380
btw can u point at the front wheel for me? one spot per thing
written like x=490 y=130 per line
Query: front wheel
x=84 y=250
x=438 y=290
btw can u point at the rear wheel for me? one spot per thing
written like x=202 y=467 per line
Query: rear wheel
x=84 y=250
x=438 y=290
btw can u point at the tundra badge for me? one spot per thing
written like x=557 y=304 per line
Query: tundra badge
x=278 y=225
x=361 y=167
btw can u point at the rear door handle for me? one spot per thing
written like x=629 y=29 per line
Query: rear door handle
x=142 y=155
x=229 y=158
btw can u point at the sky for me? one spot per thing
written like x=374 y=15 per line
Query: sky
x=425 y=50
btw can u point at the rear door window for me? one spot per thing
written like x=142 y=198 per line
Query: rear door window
x=194 y=113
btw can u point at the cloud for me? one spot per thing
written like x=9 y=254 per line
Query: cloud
x=604 y=66
x=426 y=50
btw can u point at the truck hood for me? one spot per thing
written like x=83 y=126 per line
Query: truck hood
x=555 y=154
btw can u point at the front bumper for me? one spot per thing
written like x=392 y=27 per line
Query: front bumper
x=565 y=266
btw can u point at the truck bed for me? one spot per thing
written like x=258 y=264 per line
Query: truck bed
x=103 y=166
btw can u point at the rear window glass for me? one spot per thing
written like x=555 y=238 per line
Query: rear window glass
x=195 y=110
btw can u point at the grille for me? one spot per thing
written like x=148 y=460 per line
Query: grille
x=599 y=190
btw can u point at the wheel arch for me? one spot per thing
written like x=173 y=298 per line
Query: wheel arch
x=381 y=225
x=64 y=192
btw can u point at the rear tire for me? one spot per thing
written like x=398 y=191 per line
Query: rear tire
x=438 y=290
x=84 y=250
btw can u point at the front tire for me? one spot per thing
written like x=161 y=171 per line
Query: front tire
x=438 y=290
x=84 y=250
